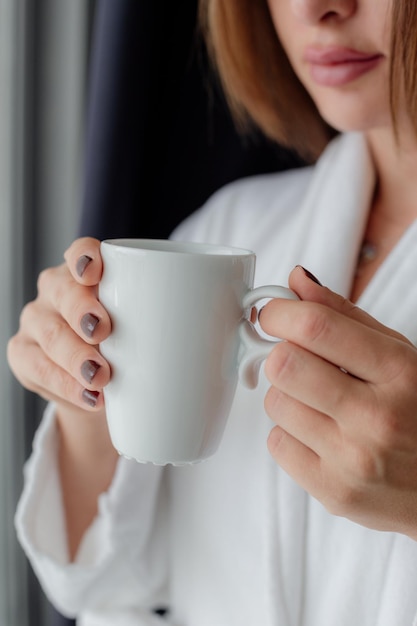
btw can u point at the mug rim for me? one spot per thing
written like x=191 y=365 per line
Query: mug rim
x=175 y=246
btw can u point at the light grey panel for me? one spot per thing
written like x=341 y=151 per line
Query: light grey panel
x=43 y=61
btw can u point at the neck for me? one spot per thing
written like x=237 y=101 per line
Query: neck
x=396 y=166
x=394 y=206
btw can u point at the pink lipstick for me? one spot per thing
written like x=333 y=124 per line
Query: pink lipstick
x=336 y=66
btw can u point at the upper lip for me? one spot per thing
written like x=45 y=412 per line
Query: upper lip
x=333 y=55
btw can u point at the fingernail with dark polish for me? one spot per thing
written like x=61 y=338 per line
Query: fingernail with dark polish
x=88 y=324
x=89 y=370
x=310 y=276
x=82 y=263
x=90 y=397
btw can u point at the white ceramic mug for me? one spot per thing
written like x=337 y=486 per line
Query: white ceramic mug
x=180 y=341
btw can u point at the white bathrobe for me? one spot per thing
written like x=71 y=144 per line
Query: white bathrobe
x=234 y=541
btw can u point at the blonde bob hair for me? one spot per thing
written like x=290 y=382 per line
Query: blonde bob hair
x=262 y=88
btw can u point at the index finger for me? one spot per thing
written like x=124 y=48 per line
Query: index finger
x=84 y=260
x=365 y=352
x=308 y=289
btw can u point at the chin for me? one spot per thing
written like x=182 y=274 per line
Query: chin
x=353 y=121
x=350 y=112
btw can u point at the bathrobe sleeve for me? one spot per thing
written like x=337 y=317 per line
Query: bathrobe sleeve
x=120 y=569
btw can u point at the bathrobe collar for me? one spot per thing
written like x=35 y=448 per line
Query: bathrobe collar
x=336 y=208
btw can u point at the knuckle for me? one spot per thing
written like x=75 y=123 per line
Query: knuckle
x=388 y=429
x=368 y=467
x=27 y=314
x=343 y=499
x=389 y=425
x=364 y=468
x=276 y=404
x=49 y=334
x=42 y=372
x=12 y=351
x=68 y=387
x=53 y=285
x=313 y=324
x=12 y=345
x=53 y=380
x=347 y=307
x=17 y=359
x=20 y=363
x=392 y=420
x=76 y=358
x=281 y=364
x=342 y=502
x=275 y=442
x=77 y=302
x=398 y=366
x=45 y=279
x=272 y=401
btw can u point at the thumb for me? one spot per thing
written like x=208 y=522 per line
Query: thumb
x=308 y=287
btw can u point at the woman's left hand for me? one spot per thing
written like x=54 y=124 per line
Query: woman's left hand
x=343 y=397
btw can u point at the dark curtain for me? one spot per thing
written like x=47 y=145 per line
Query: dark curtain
x=160 y=139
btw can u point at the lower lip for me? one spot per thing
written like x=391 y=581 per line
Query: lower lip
x=339 y=74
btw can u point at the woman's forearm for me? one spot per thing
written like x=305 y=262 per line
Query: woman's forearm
x=87 y=461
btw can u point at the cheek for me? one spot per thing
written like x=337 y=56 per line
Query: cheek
x=281 y=21
x=290 y=33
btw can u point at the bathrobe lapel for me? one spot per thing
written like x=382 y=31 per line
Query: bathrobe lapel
x=336 y=210
x=334 y=214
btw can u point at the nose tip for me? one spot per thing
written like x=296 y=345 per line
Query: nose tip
x=314 y=11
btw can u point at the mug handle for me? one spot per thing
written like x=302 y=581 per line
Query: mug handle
x=253 y=349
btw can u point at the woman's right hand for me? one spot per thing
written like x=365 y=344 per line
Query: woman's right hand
x=55 y=354
x=55 y=351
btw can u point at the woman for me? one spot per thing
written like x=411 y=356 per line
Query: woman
x=312 y=522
